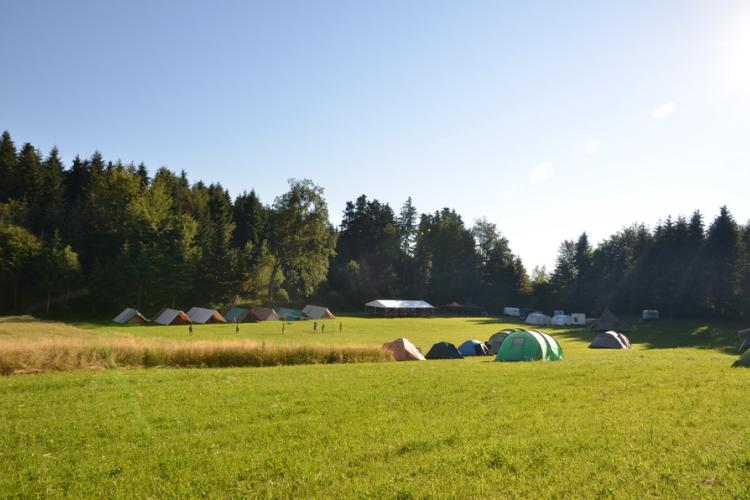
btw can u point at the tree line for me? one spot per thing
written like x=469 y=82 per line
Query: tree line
x=99 y=235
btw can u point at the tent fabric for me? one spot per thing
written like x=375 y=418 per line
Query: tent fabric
x=202 y=315
x=578 y=318
x=288 y=314
x=511 y=311
x=608 y=321
x=744 y=361
x=264 y=314
x=649 y=314
x=744 y=346
x=444 y=350
x=403 y=350
x=237 y=315
x=317 y=312
x=562 y=320
x=474 y=347
x=399 y=304
x=610 y=340
x=172 y=317
x=743 y=334
x=130 y=315
x=496 y=340
x=529 y=345
x=538 y=319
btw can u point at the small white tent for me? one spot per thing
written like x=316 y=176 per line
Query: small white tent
x=512 y=311
x=539 y=319
x=578 y=318
x=650 y=314
x=562 y=320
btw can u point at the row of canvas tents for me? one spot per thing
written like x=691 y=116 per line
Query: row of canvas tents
x=202 y=315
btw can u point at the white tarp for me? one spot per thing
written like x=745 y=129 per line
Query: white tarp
x=512 y=311
x=539 y=319
x=562 y=320
x=399 y=304
x=578 y=318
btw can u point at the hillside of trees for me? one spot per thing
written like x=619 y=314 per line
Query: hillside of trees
x=96 y=236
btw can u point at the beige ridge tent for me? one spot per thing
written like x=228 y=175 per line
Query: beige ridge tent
x=130 y=315
x=403 y=350
x=317 y=312
x=202 y=315
x=171 y=317
x=264 y=314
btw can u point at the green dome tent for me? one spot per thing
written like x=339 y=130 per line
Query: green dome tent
x=529 y=345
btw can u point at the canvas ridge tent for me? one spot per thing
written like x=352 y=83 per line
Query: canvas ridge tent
x=130 y=315
x=443 y=350
x=608 y=321
x=317 y=312
x=529 y=345
x=538 y=319
x=610 y=340
x=171 y=317
x=202 y=315
x=237 y=315
x=474 y=347
x=403 y=350
x=264 y=314
x=288 y=314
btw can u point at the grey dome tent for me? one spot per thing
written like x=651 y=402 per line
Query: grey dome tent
x=443 y=350
x=744 y=346
x=610 y=340
x=496 y=340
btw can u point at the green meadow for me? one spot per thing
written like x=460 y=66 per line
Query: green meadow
x=667 y=418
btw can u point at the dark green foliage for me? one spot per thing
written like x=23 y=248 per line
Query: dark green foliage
x=118 y=237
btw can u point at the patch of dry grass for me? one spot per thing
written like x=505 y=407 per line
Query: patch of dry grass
x=62 y=354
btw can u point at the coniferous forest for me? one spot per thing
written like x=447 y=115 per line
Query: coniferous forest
x=95 y=236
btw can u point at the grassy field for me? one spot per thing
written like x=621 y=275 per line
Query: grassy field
x=668 y=418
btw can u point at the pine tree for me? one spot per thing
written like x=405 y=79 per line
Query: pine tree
x=8 y=168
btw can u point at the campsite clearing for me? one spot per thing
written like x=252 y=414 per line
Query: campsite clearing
x=665 y=418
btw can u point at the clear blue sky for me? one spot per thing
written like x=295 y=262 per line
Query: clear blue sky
x=548 y=119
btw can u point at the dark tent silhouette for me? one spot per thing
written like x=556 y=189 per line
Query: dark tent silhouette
x=474 y=348
x=608 y=321
x=443 y=350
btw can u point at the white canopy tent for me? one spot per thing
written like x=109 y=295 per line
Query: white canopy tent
x=390 y=307
x=562 y=320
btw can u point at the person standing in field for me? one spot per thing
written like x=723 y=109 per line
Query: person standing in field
x=190 y=328
x=315 y=326
x=236 y=326
x=341 y=326
x=323 y=328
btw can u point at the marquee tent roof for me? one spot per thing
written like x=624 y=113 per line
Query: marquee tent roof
x=203 y=315
x=171 y=317
x=129 y=315
x=317 y=312
x=399 y=304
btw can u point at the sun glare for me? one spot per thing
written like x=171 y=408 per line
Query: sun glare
x=740 y=55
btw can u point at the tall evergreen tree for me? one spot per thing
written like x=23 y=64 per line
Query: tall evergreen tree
x=8 y=170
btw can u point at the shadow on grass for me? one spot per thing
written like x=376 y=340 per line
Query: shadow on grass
x=720 y=335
